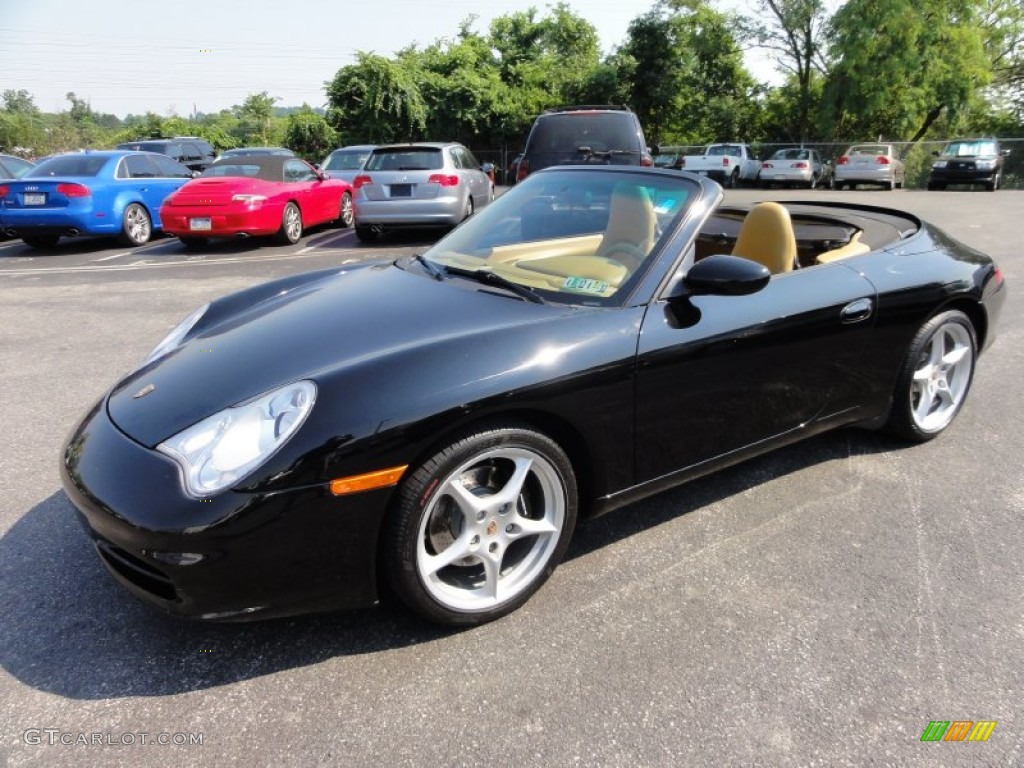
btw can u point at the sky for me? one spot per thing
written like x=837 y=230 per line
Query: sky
x=177 y=56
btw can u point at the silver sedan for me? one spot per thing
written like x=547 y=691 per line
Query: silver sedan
x=424 y=184
x=869 y=164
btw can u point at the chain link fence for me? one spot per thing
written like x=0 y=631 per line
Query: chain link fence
x=916 y=157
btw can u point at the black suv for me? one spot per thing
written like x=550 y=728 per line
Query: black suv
x=581 y=135
x=194 y=154
x=968 y=161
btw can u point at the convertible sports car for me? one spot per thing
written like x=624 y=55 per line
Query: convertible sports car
x=438 y=423
x=256 y=195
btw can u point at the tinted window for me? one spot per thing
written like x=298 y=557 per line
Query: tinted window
x=297 y=170
x=170 y=168
x=191 y=152
x=349 y=160
x=15 y=167
x=68 y=165
x=600 y=131
x=406 y=159
x=139 y=167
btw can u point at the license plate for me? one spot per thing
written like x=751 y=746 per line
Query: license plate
x=199 y=225
x=35 y=198
x=401 y=190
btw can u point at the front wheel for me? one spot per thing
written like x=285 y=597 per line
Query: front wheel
x=479 y=527
x=936 y=374
x=291 y=225
x=136 y=227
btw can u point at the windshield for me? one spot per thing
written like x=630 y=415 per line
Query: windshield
x=350 y=160
x=968 y=148
x=581 y=236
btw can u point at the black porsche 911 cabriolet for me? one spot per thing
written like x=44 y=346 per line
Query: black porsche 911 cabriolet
x=437 y=424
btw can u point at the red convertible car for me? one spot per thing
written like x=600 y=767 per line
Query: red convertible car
x=256 y=195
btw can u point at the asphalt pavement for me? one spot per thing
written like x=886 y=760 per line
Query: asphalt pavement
x=819 y=606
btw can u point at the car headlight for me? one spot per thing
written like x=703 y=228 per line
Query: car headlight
x=985 y=165
x=939 y=164
x=221 y=450
x=173 y=339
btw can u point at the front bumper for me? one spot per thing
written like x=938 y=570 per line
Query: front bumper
x=235 y=556
x=962 y=176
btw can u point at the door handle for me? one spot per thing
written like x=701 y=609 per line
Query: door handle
x=856 y=311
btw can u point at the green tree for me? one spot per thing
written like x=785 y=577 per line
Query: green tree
x=376 y=100
x=308 y=134
x=901 y=64
x=256 y=114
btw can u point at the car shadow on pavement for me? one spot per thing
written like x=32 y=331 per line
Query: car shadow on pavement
x=69 y=629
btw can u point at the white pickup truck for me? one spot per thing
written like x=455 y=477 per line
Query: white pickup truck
x=728 y=164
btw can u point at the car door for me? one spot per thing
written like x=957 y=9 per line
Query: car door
x=306 y=185
x=146 y=181
x=716 y=374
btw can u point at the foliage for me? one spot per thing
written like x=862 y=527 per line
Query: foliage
x=308 y=134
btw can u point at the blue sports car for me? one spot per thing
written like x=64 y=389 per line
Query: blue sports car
x=115 y=193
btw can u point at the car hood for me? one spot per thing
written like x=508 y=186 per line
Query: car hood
x=256 y=341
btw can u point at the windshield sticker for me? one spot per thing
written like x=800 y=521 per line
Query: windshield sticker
x=585 y=285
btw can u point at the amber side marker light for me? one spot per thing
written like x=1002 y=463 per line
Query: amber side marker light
x=367 y=482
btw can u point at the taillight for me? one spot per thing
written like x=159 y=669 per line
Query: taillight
x=843 y=160
x=73 y=190
x=443 y=179
x=4 y=190
x=882 y=160
x=361 y=181
x=799 y=165
x=523 y=169
x=767 y=165
x=725 y=162
x=646 y=161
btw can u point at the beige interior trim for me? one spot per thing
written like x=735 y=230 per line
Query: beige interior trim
x=853 y=248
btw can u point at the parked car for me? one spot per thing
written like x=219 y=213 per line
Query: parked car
x=426 y=184
x=12 y=167
x=869 y=164
x=728 y=164
x=345 y=163
x=90 y=194
x=969 y=161
x=605 y=135
x=796 y=167
x=256 y=195
x=246 y=151
x=440 y=422
x=196 y=155
x=671 y=160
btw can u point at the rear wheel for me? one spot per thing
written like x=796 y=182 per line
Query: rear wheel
x=40 y=241
x=291 y=225
x=732 y=180
x=993 y=185
x=346 y=214
x=478 y=527
x=136 y=227
x=469 y=207
x=935 y=377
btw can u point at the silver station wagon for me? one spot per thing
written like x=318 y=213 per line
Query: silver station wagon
x=424 y=184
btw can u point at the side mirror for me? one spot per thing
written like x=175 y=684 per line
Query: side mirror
x=722 y=275
x=1006 y=152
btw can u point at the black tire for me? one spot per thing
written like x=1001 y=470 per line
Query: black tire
x=346 y=213
x=367 y=234
x=473 y=504
x=192 y=243
x=136 y=225
x=891 y=185
x=40 y=241
x=934 y=378
x=291 y=225
x=470 y=208
x=813 y=182
x=993 y=185
x=732 y=180
x=936 y=186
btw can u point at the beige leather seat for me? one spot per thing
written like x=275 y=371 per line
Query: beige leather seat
x=630 y=232
x=766 y=236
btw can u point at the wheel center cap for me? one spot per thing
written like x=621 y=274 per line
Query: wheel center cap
x=492 y=528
